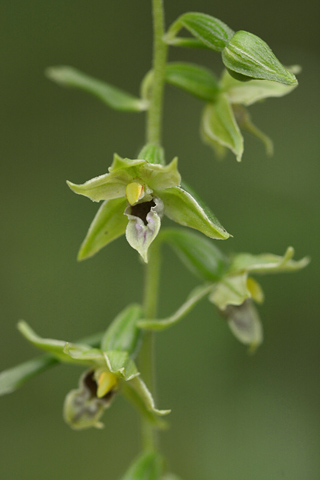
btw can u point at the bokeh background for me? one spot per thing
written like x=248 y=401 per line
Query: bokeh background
x=234 y=416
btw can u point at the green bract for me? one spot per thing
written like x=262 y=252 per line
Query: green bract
x=136 y=195
x=111 y=369
x=247 y=56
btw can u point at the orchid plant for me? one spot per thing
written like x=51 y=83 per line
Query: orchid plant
x=135 y=194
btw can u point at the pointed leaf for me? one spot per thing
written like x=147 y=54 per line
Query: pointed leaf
x=198 y=81
x=211 y=31
x=267 y=263
x=219 y=125
x=108 y=224
x=248 y=55
x=148 y=466
x=110 y=95
x=195 y=296
x=123 y=333
x=199 y=254
x=15 y=377
x=189 y=210
x=252 y=91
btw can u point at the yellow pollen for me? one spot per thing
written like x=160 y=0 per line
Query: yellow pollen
x=134 y=192
x=255 y=290
x=106 y=382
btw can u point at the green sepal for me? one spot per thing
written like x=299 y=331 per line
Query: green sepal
x=138 y=393
x=54 y=347
x=198 y=81
x=247 y=93
x=198 y=254
x=108 y=224
x=211 y=31
x=108 y=94
x=121 y=365
x=218 y=125
x=183 y=206
x=123 y=333
x=13 y=378
x=245 y=324
x=195 y=297
x=152 y=153
x=244 y=121
x=267 y=263
x=84 y=355
x=249 y=56
x=148 y=466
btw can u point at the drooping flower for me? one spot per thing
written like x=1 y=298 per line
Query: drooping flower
x=136 y=194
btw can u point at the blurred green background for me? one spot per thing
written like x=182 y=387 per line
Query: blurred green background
x=234 y=416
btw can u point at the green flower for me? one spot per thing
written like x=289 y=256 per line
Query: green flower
x=223 y=118
x=136 y=195
x=110 y=370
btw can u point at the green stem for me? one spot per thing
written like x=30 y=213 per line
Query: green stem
x=154 y=120
x=151 y=289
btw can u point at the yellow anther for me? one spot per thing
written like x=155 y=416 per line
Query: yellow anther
x=255 y=290
x=106 y=382
x=134 y=192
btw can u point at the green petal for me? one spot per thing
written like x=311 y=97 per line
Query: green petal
x=248 y=55
x=199 y=254
x=188 y=210
x=247 y=93
x=148 y=466
x=108 y=224
x=198 y=81
x=110 y=95
x=267 y=263
x=219 y=126
x=159 y=177
x=245 y=324
x=123 y=333
x=232 y=290
x=121 y=364
x=55 y=347
x=195 y=296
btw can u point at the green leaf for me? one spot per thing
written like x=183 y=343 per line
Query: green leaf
x=15 y=377
x=110 y=95
x=198 y=81
x=252 y=91
x=108 y=224
x=209 y=30
x=218 y=125
x=195 y=296
x=189 y=210
x=148 y=466
x=121 y=364
x=267 y=263
x=199 y=254
x=123 y=333
x=248 y=55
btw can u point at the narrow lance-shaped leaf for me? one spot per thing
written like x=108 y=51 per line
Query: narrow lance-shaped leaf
x=110 y=95
x=219 y=126
x=148 y=466
x=198 y=81
x=211 y=31
x=247 y=56
x=199 y=254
